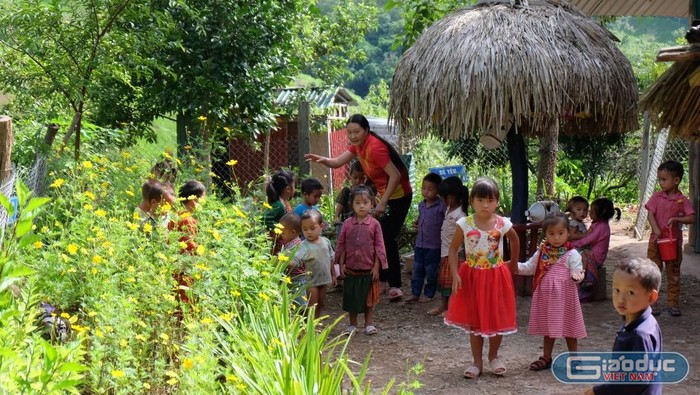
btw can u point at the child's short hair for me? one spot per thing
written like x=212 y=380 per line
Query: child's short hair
x=553 y=219
x=356 y=166
x=192 y=188
x=574 y=201
x=362 y=190
x=310 y=185
x=165 y=171
x=605 y=209
x=152 y=189
x=673 y=167
x=312 y=214
x=433 y=178
x=292 y=221
x=485 y=187
x=645 y=270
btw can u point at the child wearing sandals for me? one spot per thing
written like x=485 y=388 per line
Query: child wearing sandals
x=456 y=198
x=483 y=297
x=555 y=310
x=360 y=254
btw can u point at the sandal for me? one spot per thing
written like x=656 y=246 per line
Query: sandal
x=674 y=312
x=349 y=330
x=498 y=367
x=472 y=372
x=541 y=364
x=395 y=294
x=436 y=311
x=370 y=330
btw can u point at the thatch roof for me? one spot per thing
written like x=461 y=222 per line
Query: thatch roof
x=675 y=96
x=479 y=66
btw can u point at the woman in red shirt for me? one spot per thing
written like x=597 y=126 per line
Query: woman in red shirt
x=382 y=165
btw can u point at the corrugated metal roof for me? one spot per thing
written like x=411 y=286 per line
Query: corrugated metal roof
x=676 y=8
x=320 y=97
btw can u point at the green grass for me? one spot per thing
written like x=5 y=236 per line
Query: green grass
x=166 y=134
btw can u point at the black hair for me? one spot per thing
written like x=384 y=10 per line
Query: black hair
x=356 y=166
x=485 y=187
x=605 y=209
x=574 y=201
x=292 y=220
x=644 y=270
x=192 y=188
x=673 y=167
x=553 y=219
x=452 y=186
x=165 y=171
x=152 y=189
x=280 y=180
x=310 y=185
x=362 y=190
x=433 y=178
x=393 y=154
x=312 y=214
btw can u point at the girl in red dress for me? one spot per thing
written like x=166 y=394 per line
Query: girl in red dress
x=483 y=298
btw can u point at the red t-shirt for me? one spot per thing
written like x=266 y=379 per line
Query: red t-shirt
x=374 y=156
x=664 y=206
x=187 y=225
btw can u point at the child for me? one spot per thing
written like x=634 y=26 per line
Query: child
x=577 y=207
x=426 y=254
x=635 y=288
x=190 y=193
x=153 y=193
x=279 y=190
x=311 y=190
x=593 y=247
x=343 y=203
x=360 y=254
x=290 y=240
x=555 y=310
x=456 y=198
x=315 y=254
x=668 y=208
x=485 y=306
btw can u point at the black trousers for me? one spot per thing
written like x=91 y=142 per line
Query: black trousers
x=391 y=227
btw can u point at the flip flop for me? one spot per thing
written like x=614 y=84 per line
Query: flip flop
x=436 y=311
x=498 y=367
x=395 y=294
x=349 y=330
x=472 y=372
x=370 y=330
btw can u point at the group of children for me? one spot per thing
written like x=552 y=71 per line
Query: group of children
x=461 y=258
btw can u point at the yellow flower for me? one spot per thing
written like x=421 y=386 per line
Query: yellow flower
x=182 y=245
x=89 y=195
x=202 y=118
x=187 y=363
x=263 y=296
x=239 y=212
x=283 y=258
x=96 y=259
x=172 y=381
x=57 y=183
x=146 y=386
x=38 y=244
x=100 y=213
x=217 y=236
x=117 y=374
x=72 y=249
x=227 y=129
x=132 y=225
x=278 y=231
x=87 y=164
x=147 y=227
x=187 y=147
x=235 y=293
x=287 y=280
x=130 y=193
x=201 y=250
x=232 y=162
x=88 y=207
x=267 y=205
x=123 y=343
x=65 y=315
x=207 y=321
x=231 y=378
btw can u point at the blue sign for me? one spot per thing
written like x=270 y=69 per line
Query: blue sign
x=620 y=367
x=15 y=203
x=449 y=171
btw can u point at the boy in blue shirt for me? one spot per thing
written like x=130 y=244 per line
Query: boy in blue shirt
x=635 y=289
x=311 y=190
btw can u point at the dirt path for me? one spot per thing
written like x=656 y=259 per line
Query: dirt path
x=408 y=336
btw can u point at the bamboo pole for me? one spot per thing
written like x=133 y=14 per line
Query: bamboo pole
x=6 y=141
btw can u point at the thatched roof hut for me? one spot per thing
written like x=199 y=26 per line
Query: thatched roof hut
x=675 y=95
x=480 y=67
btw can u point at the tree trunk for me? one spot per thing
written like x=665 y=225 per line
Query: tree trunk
x=518 y=169
x=549 y=145
x=183 y=123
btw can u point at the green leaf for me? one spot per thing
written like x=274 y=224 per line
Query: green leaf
x=33 y=204
x=72 y=367
x=67 y=384
x=22 y=228
x=23 y=193
x=50 y=355
x=7 y=204
x=27 y=240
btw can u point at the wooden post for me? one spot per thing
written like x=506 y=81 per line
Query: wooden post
x=518 y=170
x=304 y=132
x=6 y=140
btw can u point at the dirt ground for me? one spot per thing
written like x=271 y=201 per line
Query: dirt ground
x=408 y=336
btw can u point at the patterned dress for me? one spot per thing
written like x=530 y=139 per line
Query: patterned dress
x=555 y=310
x=485 y=305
